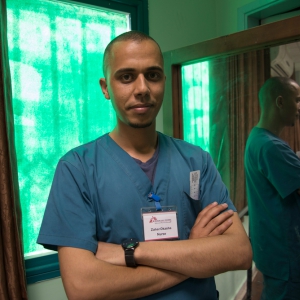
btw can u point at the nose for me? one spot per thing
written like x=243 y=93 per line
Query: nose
x=141 y=86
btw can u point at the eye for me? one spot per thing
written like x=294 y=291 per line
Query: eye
x=154 y=76
x=126 y=77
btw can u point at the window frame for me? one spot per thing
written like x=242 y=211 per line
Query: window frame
x=46 y=266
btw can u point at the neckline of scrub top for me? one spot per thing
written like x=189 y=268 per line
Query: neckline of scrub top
x=133 y=171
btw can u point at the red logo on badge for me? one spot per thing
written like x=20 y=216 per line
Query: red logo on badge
x=153 y=219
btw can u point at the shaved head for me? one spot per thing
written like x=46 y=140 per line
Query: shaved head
x=274 y=87
x=135 y=36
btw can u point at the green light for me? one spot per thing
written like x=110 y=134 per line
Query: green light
x=195 y=104
x=55 y=50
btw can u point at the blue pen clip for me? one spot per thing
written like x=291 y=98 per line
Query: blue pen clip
x=156 y=200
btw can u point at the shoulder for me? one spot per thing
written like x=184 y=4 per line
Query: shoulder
x=185 y=150
x=181 y=145
x=260 y=136
x=266 y=148
x=83 y=153
x=262 y=141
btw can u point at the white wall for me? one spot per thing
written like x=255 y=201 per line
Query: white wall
x=47 y=290
x=176 y=23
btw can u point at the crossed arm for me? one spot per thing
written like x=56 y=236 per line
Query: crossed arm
x=217 y=243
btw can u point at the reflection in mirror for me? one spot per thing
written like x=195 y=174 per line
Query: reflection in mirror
x=195 y=87
x=214 y=92
x=285 y=62
x=220 y=107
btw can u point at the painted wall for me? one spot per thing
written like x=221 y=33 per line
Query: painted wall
x=47 y=290
x=176 y=23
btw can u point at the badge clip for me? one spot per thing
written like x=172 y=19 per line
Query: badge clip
x=156 y=200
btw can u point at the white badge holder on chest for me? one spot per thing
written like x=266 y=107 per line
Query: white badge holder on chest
x=160 y=222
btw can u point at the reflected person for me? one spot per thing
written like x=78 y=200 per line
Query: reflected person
x=273 y=180
x=97 y=216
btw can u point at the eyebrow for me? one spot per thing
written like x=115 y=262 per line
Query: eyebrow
x=129 y=70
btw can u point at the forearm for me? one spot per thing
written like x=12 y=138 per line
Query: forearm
x=200 y=258
x=96 y=279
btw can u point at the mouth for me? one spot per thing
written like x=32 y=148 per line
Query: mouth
x=140 y=108
x=140 y=105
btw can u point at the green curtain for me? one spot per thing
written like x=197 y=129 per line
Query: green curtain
x=56 y=51
x=12 y=274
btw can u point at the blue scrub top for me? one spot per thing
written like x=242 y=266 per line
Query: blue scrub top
x=273 y=177
x=98 y=192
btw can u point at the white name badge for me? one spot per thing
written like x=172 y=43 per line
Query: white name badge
x=160 y=225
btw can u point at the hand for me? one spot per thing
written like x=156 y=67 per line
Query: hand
x=210 y=222
x=111 y=253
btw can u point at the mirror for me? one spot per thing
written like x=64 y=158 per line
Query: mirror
x=237 y=66
x=220 y=106
x=226 y=74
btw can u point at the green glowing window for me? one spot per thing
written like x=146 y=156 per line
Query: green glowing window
x=195 y=104
x=55 y=51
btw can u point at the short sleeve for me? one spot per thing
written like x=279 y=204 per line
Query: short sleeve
x=69 y=218
x=281 y=167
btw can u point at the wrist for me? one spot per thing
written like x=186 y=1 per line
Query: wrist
x=129 y=247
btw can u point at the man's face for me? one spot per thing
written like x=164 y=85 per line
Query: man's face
x=135 y=82
x=292 y=107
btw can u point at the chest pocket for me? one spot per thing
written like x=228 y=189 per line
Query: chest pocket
x=191 y=209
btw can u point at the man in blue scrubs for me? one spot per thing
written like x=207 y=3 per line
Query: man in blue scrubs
x=273 y=181
x=137 y=214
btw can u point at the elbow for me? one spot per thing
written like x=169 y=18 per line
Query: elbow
x=245 y=261
x=78 y=289
x=75 y=291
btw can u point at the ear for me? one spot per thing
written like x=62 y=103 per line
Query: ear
x=279 y=102
x=104 y=89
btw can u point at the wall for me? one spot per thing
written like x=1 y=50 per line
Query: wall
x=227 y=15
x=47 y=290
x=177 y=23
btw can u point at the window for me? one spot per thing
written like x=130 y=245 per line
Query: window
x=195 y=104
x=56 y=50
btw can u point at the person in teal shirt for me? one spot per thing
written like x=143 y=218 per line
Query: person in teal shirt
x=96 y=215
x=273 y=180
